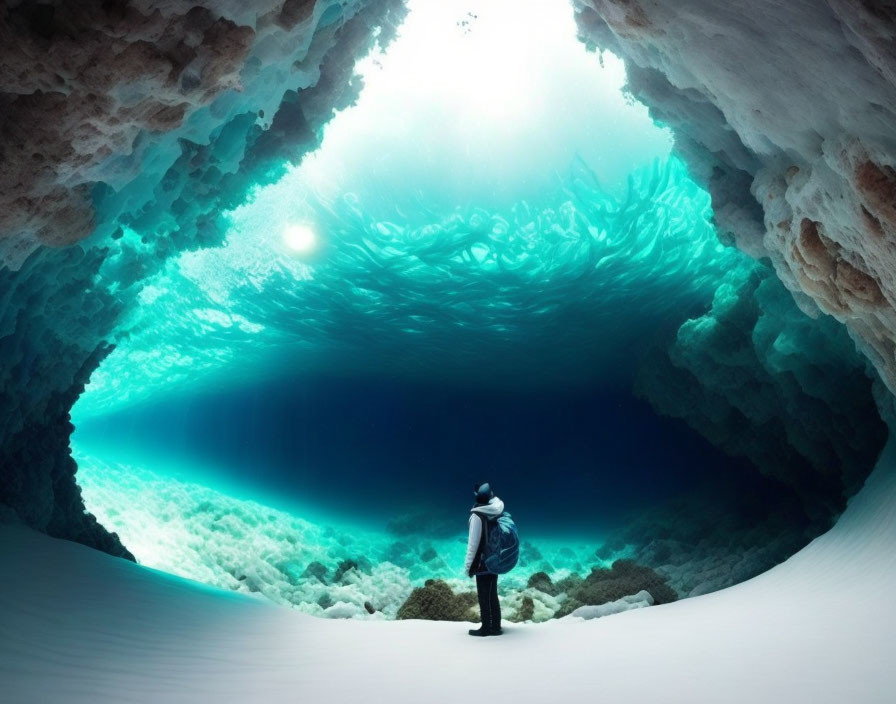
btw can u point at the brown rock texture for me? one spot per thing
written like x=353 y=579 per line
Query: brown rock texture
x=435 y=601
x=79 y=82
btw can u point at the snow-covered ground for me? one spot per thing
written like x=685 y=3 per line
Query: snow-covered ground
x=79 y=626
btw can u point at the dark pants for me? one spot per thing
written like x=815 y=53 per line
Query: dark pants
x=489 y=608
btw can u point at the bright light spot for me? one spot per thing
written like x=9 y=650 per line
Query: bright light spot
x=300 y=238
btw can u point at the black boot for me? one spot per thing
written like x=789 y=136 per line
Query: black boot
x=489 y=607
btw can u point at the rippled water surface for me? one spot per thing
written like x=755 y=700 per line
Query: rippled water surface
x=459 y=284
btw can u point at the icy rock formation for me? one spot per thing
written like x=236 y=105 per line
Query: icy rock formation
x=763 y=381
x=526 y=609
x=786 y=112
x=605 y=585
x=626 y=603
x=82 y=83
x=127 y=127
x=530 y=605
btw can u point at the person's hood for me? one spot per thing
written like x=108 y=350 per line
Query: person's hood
x=494 y=507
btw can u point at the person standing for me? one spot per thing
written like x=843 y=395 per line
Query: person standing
x=488 y=506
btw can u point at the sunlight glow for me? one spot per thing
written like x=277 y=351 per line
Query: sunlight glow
x=300 y=238
x=485 y=102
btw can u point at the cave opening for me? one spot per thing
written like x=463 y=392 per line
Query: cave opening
x=483 y=271
x=631 y=261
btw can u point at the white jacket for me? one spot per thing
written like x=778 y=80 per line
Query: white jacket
x=494 y=507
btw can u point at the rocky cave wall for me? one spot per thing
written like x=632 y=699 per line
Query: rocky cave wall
x=763 y=381
x=786 y=112
x=126 y=127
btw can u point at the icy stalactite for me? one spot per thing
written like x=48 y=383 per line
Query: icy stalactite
x=786 y=112
x=127 y=129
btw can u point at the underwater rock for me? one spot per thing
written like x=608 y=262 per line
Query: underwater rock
x=542 y=582
x=343 y=569
x=400 y=553
x=609 y=548
x=530 y=604
x=526 y=610
x=626 y=603
x=720 y=534
x=325 y=601
x=568 y=583
x=316 y=570
x=529 y=553
x=797 y=150
x=106 y=75
x=436 y=601
x=341 y=609
x=623 y=579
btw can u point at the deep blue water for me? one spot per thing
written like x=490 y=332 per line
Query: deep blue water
x=374 y=449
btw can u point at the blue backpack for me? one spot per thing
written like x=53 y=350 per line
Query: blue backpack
x=502 y=544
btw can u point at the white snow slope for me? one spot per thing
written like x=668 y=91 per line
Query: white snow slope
x=79 y=626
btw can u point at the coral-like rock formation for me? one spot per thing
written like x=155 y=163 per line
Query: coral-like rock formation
x=436 y=601
x=623 y=579
x=542 y=582
x=81 y=83
x=127 y=127
x=526 y=610
x=344 y=569
x=766 y=383
x=316 y=570
x=785 y=111
x=763 y=381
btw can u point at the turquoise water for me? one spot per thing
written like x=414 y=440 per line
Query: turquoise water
x=472 y=293
x=460 y=284
x=452 y=207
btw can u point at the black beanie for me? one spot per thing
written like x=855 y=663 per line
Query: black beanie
x=483 y=492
